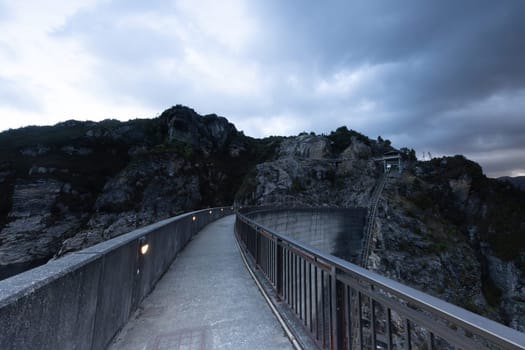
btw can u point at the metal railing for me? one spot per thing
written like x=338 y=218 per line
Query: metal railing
x=343 y=306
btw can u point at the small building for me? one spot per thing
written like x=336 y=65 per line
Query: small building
x=391 y=160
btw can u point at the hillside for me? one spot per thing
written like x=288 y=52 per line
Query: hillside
x=442 y=226
x=518 y=181
x=74 y=184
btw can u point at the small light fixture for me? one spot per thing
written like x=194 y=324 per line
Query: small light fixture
x=210 y=211
x=222 y=209
x=194 y=218
x=143 y=245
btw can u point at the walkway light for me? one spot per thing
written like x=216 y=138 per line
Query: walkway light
x=143 y=245
x=194 y=218
x=210 y=211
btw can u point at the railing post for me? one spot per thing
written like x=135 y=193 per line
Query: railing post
x=338 y=307
x=408 y=340
x=256 y=244
x=279 y=264
x=360 y=321
x=389 y=329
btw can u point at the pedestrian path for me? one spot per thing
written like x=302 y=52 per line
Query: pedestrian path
x=206 y=300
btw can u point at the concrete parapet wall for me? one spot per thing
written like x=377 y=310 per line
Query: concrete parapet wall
x=336 y=231
x=83 y=299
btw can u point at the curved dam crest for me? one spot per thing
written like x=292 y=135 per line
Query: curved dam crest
x=335 y=231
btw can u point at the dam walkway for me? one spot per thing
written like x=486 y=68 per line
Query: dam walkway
x=206 y=300
x=182 y=283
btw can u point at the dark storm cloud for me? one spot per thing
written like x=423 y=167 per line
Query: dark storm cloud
x=441 y=76
x=496 y=163
x=437 y=58
x=444 y=53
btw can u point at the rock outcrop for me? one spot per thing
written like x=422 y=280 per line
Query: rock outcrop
x=308 y=173
x=518 y=181
x=75 y=184
x=437 y=229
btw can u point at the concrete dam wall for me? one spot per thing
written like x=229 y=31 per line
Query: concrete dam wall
x=336 y=231
x=81 y=300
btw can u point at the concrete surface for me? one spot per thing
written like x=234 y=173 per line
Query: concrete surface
x=336 y=231
x=80 y=301
x=206 y=300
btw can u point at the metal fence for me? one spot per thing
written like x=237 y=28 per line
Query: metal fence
x=343 y=306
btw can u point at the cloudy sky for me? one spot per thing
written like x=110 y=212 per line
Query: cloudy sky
x=445 y=77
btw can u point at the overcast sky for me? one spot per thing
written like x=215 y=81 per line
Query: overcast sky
x=445 y=77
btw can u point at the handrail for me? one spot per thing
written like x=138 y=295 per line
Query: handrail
x=322 y=289
x=82 y=299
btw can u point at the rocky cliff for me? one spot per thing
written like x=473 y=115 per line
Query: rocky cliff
x=442 y=226
x=77 y=183
x=517 y=181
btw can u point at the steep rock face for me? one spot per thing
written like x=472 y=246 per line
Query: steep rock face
x=67 y=187
x=357 y=150
x=308 y=173
x=510 y=281
x=209 y=133
x=305 y=146
x=424 y=252
x=143 y=192
x=436 y=230
x=28 y=232
x=517 y=181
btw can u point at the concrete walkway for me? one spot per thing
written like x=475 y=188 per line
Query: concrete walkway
x=206 y=300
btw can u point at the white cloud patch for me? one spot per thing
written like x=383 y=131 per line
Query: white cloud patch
x=273 y=125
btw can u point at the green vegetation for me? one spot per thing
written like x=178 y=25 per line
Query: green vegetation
x=263 y=150
x=441 y=246
x=498 y=215
x=422 y=200
x=6 y=197
x=43 y=135
x=469 y=305
x=491 y=292
x=454 y=167
x=297 y=185
x=342 y=138
x=337 y=181
x=47 y=147
x=503 y=223
x=183 y=149
x=408 y=154
x=247 y=187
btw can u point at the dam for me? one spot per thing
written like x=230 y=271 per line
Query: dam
x=218 y=279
